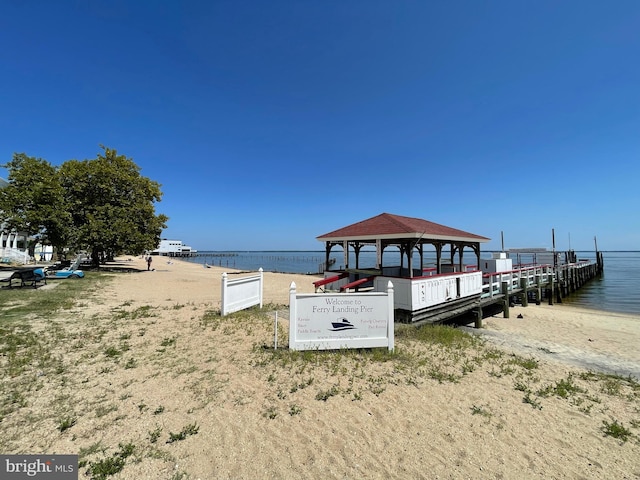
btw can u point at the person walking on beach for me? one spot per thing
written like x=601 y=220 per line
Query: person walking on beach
x=149 y=263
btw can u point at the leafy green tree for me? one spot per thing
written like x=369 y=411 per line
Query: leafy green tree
x=112 y=206
x=34 y=201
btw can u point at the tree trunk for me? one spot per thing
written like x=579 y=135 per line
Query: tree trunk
x=95 y=257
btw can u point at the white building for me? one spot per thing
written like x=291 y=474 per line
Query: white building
x=497 y=263
x=13 y=245
x=174 y=248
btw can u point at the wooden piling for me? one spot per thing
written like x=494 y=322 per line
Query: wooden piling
x=524 y=285
x=478 y=322
x=505 y=293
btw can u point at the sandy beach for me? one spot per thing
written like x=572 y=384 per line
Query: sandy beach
x=148 y=372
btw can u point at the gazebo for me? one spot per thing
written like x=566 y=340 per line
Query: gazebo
x=420 y=293
x=408 y=234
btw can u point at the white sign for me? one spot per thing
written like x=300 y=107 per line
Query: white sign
x=324 y=321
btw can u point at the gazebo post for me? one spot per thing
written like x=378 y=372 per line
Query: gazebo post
x=327 y=249
x=345 y=248
x=356 y=249
x=452 y=252
x=476 y=249
x=438 y=246
x=409 y=250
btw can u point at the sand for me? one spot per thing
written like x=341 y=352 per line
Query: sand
x=145 y=361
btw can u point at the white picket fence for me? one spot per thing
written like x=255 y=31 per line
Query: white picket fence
x=241 y=293
x=13 y=255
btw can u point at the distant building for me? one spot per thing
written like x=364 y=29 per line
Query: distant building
x=13 y=245
x=534 y=256
x=174 y=248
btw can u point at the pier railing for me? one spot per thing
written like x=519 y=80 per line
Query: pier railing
x=569 y=275
x=515 y=279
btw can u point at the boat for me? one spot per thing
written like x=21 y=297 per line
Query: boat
x=342 y=324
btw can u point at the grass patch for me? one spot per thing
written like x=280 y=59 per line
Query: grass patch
x=188 y=430
x=443 y=335
x=270 y=412
x=325 y=395
x=66 y=423
x=563 y=388
x=616 y=430
x=530 y=400
x=15 y=303
x=112 y=465
x=168 y=342
x=154 y=435
x=144 y=311
x=112 y=352
x=479 y=410
x=525 y=363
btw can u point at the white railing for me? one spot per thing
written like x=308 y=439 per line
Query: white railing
x=413 y=294
x=563 y=270
x=528 y=277
x=516 y=279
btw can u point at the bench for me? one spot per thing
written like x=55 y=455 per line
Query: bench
x=356 y=284
x=326 y=281
x=26 y=277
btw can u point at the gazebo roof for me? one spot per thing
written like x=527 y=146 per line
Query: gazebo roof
x=387 y=226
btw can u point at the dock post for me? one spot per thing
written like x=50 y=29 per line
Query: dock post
x=551 y=287
x=559 y=293
x=505 y=300
x=538 y=289
x=524 y=282
x=478 y=312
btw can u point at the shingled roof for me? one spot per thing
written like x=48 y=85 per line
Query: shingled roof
x=387 y=226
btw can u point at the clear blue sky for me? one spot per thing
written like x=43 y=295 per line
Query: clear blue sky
x=268 y=123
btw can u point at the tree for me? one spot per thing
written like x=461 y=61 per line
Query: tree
x=111 y=206
x=34 y=201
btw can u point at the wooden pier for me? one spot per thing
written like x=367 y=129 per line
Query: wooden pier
x=502 y=290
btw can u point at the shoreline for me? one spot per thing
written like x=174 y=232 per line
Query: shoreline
x=584 y=338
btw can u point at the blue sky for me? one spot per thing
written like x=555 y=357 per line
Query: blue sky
x=269 y=123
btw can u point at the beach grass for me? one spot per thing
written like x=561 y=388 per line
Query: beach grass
x=17 y=303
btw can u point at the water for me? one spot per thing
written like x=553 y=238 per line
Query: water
x=285 y=262
x=616 y=291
